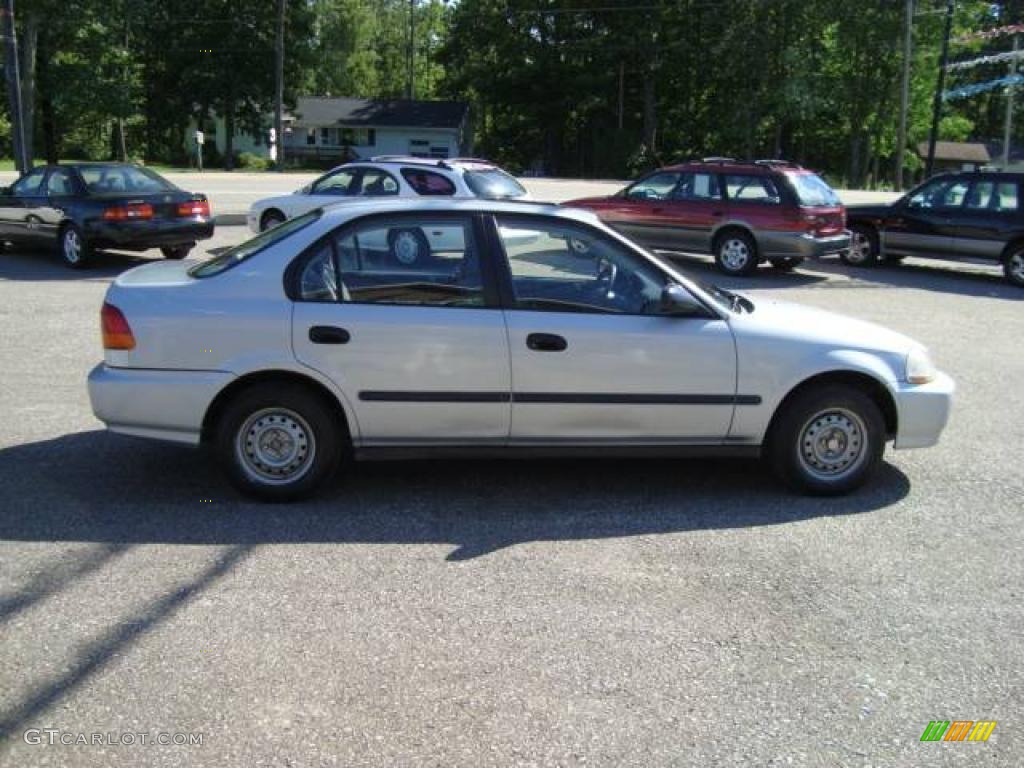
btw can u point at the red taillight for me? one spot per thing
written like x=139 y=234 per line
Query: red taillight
x=128 y=212
x=194 y=208
x=116 y=332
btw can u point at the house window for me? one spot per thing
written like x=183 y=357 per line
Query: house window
x=371 y=137
x=325 y=137
x=311 y=136
x=439 y=151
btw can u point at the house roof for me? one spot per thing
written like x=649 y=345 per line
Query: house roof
x=314 y=111
x=957 y=151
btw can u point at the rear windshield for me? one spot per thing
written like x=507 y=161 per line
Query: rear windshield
x=240 y=253
x=122 y=180
x=494 y=184
x=811 y=189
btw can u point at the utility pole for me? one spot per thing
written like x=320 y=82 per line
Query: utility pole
x=14 y=88
x=279 y=88
x=411 y=52
x=1009 y=109
x=937 y=105
x=901 y=135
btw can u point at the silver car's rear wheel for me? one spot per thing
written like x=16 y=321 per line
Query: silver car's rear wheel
x=279 y=441
x=275 y=446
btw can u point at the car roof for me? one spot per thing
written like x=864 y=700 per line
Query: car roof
x=756 y=167
x=349 y=209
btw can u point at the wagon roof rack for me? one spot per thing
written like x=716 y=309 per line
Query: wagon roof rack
x=716 y=159
x=411 y=159
x=777 y=161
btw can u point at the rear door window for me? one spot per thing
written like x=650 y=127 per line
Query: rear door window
x=750 y=188
x=428 y=183
x=698 y=186
x=1005 y=196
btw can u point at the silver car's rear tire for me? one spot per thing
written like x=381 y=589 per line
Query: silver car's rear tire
x=827 y=441
x=278 y=442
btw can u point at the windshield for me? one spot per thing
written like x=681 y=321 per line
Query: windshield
x=240 y=253
x=811 y=189
x=494 y=184
x=122 y=180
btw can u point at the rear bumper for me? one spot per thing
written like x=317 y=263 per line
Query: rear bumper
x=922 y=411
x=802 y=245
x=165 y=405
x=151 y=233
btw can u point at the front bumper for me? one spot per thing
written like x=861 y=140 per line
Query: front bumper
x=149 y=233
x=165 y=405
x=803 y=245
x=922 y=411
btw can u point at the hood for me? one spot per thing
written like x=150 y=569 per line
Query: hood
x=785 y=320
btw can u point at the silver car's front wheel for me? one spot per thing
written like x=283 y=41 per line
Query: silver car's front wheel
x=832 y=443
x=279 y=441
x=827 y=439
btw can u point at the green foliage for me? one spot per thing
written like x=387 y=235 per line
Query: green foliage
x=566 y=87
x=250 y=162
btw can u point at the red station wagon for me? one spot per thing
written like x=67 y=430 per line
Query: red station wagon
x=741 y=212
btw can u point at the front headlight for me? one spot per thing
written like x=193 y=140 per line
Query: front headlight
x=920 y=368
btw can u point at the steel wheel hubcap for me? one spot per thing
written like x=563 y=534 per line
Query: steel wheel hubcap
x=833 y=443
x=275 y=446
x=72 y=246
x=735 y=254
x=407 y=247
x=860 y=248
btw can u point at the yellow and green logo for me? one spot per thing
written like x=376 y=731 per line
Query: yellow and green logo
x=958 y=730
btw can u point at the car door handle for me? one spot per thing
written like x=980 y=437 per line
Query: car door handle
x=717 y=213
x=328 y=334
x=657 y=210
x=546 y=342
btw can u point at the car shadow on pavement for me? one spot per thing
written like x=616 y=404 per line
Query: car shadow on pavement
x=99 y=487
x=43 y=265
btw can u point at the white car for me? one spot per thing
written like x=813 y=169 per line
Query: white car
x=306 y=344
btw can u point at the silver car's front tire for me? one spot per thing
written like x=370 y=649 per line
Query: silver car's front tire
x=278 y=442
x=827 y=441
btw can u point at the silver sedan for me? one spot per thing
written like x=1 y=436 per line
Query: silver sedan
x=316 y=341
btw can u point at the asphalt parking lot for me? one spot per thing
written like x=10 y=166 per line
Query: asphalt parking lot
x=548 y=613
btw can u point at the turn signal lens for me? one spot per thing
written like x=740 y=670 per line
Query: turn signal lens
x=116 y=332
x=194 y=208
x=920 y=368
x=128 y=212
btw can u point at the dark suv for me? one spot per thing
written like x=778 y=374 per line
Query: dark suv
x=974 y=214
x=741 y=212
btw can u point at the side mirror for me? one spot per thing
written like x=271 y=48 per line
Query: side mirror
x=679 y=302
x=304 y=190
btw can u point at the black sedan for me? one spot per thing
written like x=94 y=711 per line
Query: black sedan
x=973 y=215
x=77 y=208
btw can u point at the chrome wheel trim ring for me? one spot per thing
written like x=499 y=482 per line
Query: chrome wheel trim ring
x=72 y=246
x=833 y=444
x=406 y=248
x=1017 y=266
x=860 y=248
x=275 y=446
x=735 y=254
